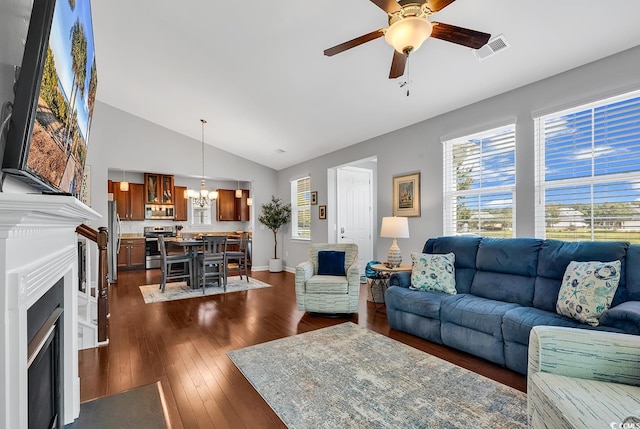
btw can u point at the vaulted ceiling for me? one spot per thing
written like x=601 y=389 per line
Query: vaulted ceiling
x=256 y=70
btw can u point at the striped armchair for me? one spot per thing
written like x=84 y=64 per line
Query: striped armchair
x=328 y=294
x=580 y=378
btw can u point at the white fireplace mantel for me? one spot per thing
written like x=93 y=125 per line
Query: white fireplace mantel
x=38 y=247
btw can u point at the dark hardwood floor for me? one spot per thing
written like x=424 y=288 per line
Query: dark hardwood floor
x=183 y=344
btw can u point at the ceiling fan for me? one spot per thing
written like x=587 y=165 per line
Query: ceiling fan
x=409 y=26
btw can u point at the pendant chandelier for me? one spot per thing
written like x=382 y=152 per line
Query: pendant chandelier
x=204 y=197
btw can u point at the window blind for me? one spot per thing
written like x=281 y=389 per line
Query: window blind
x=588 y=171
x=479 y=183
x=301 y=208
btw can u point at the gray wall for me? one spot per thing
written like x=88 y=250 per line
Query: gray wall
x=120 y=141
x=419 y=148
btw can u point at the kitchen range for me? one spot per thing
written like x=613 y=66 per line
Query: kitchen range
x=151 y=233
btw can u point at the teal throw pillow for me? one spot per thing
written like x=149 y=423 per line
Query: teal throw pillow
x=433 y=272
x=587 y=290
x=330 y=263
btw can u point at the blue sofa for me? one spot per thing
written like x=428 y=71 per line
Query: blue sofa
x=505 y=287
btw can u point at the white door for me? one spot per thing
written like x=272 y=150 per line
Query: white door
x=354 y=211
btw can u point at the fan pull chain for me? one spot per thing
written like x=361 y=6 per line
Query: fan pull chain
x=405 y=84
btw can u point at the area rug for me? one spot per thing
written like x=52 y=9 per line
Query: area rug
x=180 y=290
x=347 y=376
x=139 y=408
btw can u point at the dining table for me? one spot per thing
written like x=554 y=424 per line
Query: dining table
x=191 y=246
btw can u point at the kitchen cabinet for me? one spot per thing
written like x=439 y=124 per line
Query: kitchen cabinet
x=132 y=254
x=226 y=205
x=180 y=212
x=158 y=188
x=130 y=204
x=243 y=210
x=230 y=208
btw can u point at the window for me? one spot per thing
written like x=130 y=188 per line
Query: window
x=301 y=208
x=479 y=183
x=588 y=171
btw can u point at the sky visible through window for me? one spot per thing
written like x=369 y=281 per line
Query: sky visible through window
x=592 y=171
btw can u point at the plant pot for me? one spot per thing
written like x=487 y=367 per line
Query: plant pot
x=275 y=265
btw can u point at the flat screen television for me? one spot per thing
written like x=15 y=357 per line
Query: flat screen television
x=55 y=91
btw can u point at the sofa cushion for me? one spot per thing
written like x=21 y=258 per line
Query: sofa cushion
x=465 y=249
x=555 y=256
x=433 y=272
x=631 y=282
x=517 y=323
x=327 y=284
x=426 y=304
x=566 y=402
x=587 y=290
x=506 y=269
x=473 y=312
x=330 y=263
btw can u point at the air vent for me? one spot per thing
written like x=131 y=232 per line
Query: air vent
x=493 y=46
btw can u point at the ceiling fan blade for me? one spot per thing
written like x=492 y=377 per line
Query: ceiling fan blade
x=353 y=43
x=397 y=64
x=461 y=36
x=389 y=6
x=436 y=5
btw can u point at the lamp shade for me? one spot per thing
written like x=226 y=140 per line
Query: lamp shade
x=395 y=227
x=124 y=186
x=408 y=33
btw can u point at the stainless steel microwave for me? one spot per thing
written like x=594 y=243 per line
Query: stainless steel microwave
x=158 y=211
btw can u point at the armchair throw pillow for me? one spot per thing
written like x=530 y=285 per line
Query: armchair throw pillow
x=587 y=290
x=433 y=272
x=330 y=263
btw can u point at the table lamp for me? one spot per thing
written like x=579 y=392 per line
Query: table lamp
x=394 y=227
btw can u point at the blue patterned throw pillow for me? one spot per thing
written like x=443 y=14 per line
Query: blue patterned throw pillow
x=433 y=272
x=587 y=290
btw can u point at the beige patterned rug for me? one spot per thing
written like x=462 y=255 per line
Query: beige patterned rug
x=347 y=376
x=180 y=290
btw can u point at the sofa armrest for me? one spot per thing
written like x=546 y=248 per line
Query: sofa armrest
x=353 y=274
x=402 y=279
x=628 y=311
x=584 y=353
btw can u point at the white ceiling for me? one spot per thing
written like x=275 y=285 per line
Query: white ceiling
x=256 y=70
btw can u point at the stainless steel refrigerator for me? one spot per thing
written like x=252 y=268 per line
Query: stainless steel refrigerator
x=113 y=246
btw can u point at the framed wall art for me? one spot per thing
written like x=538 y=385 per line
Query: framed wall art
x=314 y=198
x=322 y=212
x=406 y=195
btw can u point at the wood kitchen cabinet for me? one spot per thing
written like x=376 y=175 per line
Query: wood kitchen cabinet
x=158 y=188
x=180 y=211
x=132 y=254
x=226 y=205
x=230 y=208
x=130 y=204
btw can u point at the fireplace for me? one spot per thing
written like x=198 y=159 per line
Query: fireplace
x=38 y=301
x=44 y=359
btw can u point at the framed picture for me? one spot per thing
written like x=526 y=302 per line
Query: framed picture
x=322 y=212
x=406 y=195
x=314 y=198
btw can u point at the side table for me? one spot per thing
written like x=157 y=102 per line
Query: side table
x=382 y=281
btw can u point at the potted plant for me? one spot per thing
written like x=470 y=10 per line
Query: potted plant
x=274 y=215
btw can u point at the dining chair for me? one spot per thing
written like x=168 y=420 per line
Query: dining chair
x=237 y=259
x=167 y=261
x=212 y=261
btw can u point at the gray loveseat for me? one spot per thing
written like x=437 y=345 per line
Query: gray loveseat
x=504 y=288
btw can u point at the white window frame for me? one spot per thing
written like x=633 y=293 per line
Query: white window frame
x=542 y=185
x=298 y=209
x=451 y=194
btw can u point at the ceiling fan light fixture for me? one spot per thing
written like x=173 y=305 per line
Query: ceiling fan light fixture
x=408 y=34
